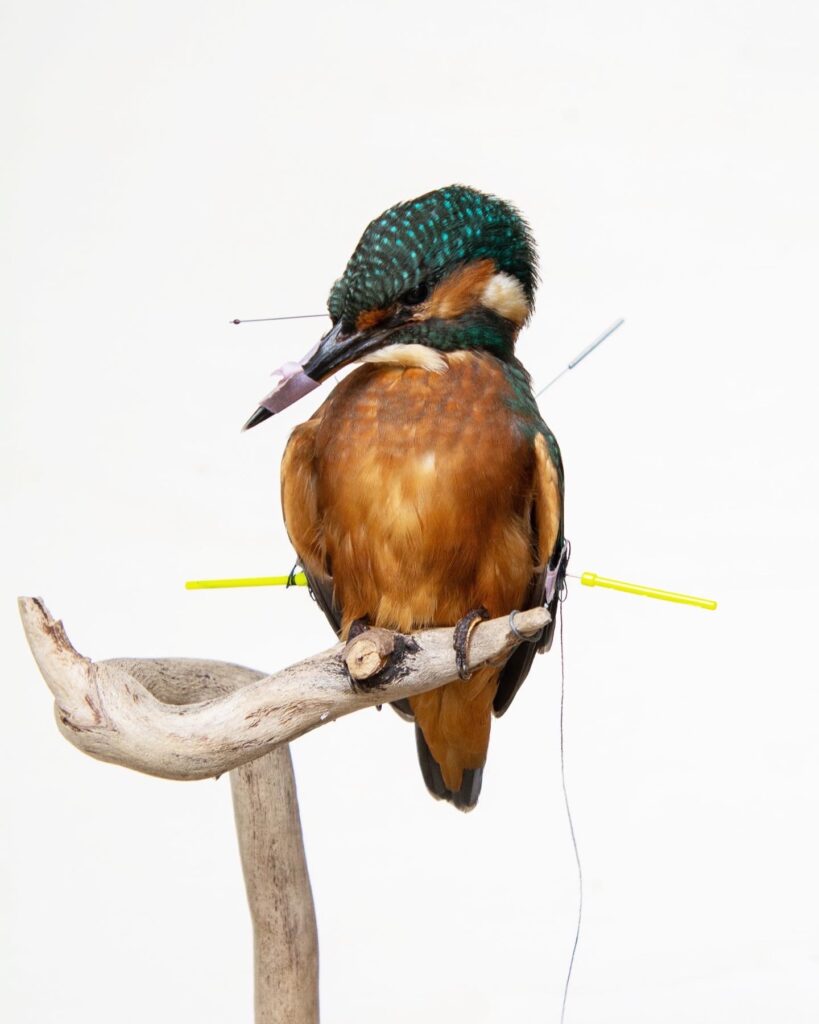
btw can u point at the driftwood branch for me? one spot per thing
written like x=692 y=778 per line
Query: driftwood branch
x=187 y=719
x=285 y=940
x=120 y=711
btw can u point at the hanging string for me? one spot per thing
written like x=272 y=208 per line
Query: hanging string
x=569 y=817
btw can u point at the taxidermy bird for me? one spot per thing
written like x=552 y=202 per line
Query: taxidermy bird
x=427 y=490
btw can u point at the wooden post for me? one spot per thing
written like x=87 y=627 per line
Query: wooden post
x=182 y=718
x=285 y=940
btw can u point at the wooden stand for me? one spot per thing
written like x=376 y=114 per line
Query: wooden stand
x=182 y=718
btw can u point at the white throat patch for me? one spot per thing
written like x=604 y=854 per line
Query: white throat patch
x=420 y=356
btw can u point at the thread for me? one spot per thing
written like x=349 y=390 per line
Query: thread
x=570 y=820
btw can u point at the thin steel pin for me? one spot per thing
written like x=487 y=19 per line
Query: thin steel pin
x=263 y=319
x=586 y=351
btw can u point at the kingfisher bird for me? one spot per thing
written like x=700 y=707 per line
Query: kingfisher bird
x=427 y=490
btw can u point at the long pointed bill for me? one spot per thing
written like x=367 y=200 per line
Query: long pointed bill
x=292 y=384
x=295 y=380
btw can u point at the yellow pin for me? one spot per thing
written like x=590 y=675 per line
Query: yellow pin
x=591 y=579
x=587 y=579
x=299 y=580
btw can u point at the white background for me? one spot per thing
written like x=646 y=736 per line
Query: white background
x=168 y=166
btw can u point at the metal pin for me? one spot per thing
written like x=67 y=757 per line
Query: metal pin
x=264 y=319
x=586 y=351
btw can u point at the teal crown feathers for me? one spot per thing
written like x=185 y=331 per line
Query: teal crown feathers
x=416 y=242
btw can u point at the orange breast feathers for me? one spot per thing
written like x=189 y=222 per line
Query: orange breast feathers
x=416 y=492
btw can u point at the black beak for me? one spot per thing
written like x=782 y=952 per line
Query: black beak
x=258 y=417
x=337 y=348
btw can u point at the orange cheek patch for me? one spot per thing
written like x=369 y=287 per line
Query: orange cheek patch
x=371 y=318
x=460 y=291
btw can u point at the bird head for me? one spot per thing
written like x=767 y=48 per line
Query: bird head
x=452 y=270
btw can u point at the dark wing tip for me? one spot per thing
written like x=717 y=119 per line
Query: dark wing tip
x=258 y=417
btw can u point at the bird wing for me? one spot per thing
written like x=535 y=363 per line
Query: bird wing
x=302 y=519
x=548 y=544
x=321 y=590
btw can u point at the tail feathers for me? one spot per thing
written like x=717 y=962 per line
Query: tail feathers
x=466 y=797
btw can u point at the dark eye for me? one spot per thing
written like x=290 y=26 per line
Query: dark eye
x=416 y=295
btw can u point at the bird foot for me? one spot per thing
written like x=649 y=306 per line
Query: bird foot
x=463 y=633
x=357 y=627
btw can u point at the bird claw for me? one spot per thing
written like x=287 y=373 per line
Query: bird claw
x=357 y=627
x=463 y=633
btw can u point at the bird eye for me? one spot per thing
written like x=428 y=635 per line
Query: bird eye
x=415 y=295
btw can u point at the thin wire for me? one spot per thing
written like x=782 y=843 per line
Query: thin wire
x=263 y=319
x=571 y=823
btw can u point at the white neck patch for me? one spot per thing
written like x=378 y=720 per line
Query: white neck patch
x=420 y=356
x=504 y=295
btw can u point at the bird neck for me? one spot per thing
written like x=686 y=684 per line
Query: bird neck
x=479 y=331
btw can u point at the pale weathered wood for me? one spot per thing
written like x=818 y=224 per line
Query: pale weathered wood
x=189 y=719
x=107 y=710
x=285 y=940
x=369 y=653
x=271 y=846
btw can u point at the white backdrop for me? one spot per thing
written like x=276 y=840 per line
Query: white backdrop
x=168 y=166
